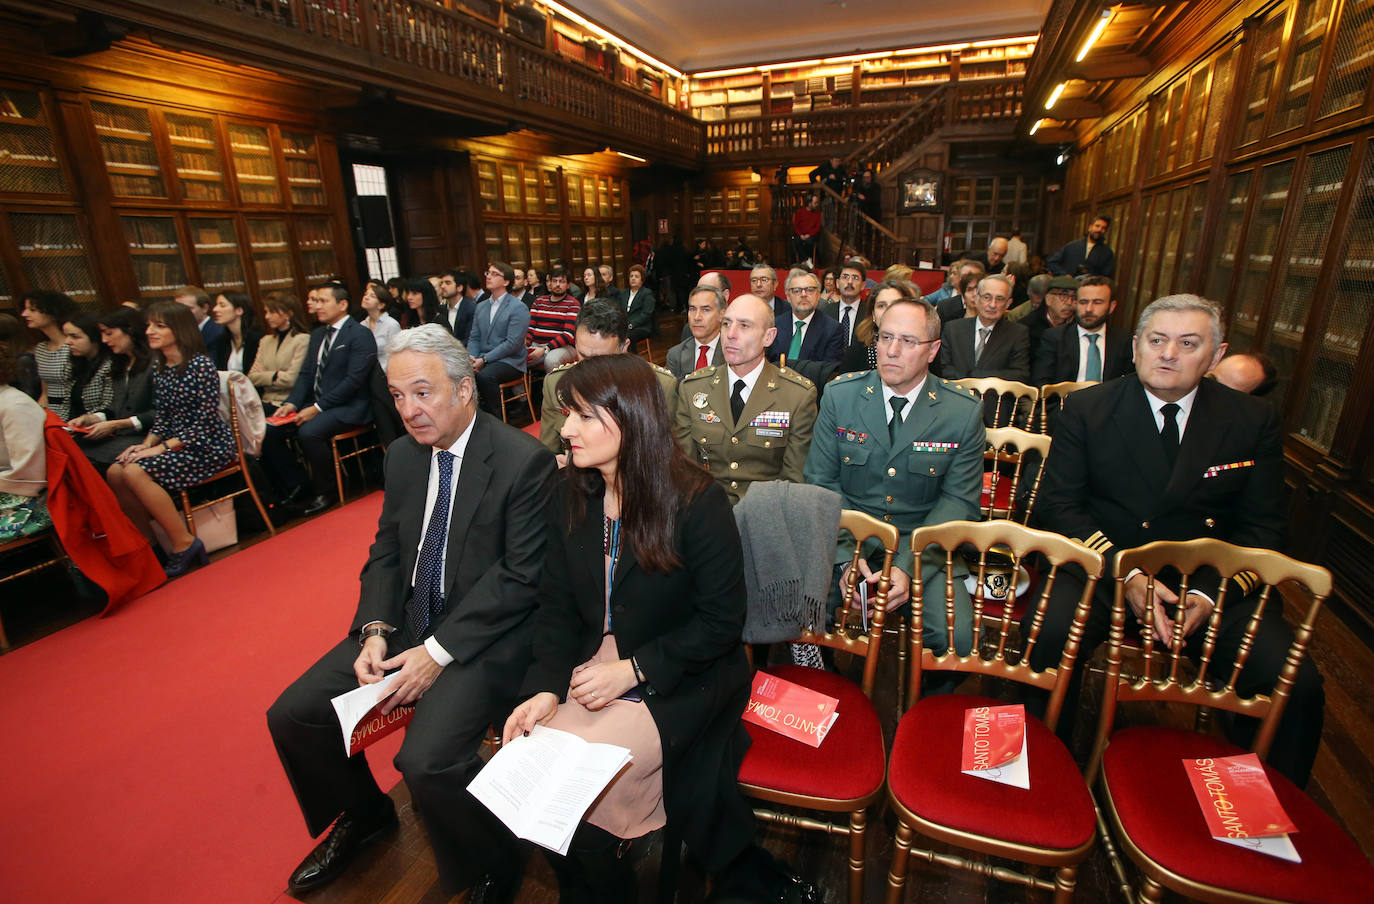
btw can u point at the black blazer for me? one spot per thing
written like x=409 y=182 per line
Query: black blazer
x=220 y=354
x=1056 y=360
x=1006 y=356
x=641 y=311
x=1075 y=260
x=344 y=387
x=821 y=343
x=1136 y=498
x=683 y=627
x=462 y=326
x=495 y=540
x=133 y=397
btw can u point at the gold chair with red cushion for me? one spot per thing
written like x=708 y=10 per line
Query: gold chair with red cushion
x=1143 y=789
x=1051 y=824
x=1053 y=396
x=1008 y=402
x=845 y=773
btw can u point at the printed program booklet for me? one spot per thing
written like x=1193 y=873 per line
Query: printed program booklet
x=995 y=745
x=360 y=715
x=1240 y=806
x=790 y=709
x=541 y=784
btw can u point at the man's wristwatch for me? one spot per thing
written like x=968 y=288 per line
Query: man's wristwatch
x=381 y=631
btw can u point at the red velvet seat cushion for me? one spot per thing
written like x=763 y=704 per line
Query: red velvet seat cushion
x=1143 y=769
x=849 y=764
x=1055 y=812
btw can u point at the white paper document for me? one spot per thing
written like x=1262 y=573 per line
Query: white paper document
x=1014 y=772
x=353 y=705
x=542 y=783
x=1280 y=846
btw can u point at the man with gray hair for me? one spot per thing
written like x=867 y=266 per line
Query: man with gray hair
x=715 y=281
x=447 y=599
x=1163 y=454
x=994 y=259
x=987 y=345
x=701 y=348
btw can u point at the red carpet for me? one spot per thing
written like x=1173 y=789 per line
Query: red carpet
x=137 y=764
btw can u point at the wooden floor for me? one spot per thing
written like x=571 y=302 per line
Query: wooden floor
x=401 y=869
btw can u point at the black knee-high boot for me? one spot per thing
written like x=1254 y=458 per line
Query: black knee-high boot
x=600 y=864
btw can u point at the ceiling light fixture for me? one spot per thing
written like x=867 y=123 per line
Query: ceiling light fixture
x=1100 y=27
x=614 y=39
x=1035 y=128
x=629 y=156
x=1054 y=96
x=859 y=57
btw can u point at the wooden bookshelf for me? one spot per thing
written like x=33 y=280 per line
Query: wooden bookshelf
x=197 y=157
x=269 y=246
x=217 y=254
x=52 y=253
x=129 y=148
x=303 y=176
x=255 y=164
x=155 y=248
x=28 y=153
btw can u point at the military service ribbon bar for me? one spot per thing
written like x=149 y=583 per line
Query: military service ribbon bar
x=921 y=446
x=773 y=419
x=1214 y=470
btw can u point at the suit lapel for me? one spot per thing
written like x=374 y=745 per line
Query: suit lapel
x=474 y=478
x=1208 y=422
x=410 y=522
x=1136 y=422
x=1071 y=347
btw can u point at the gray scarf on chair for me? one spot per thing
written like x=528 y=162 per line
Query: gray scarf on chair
x=788 y=532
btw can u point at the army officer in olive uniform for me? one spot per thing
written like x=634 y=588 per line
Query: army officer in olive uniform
x=906 y=447
x=602 y=329
x=746 y=419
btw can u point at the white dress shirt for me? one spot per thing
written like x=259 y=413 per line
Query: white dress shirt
x=436 y=652
x=1185 y=408
x=750 y=379
x=889 y=394
x=853 y=310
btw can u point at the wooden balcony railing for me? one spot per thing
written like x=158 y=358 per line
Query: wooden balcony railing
x=430 y=53
x=877 y=134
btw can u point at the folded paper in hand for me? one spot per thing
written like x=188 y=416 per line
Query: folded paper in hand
x=995 y=745
x=790 y=709
x=542 y=783
x=1240 y=806
x=360 y=715
x=280 y=420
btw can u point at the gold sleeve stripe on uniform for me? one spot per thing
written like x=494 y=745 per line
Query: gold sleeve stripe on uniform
x=1097 y=542
x=1247 y=581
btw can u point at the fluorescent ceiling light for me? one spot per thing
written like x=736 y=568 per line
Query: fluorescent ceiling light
x=1054 y=97
x=1097 y=33
x=1035 y=128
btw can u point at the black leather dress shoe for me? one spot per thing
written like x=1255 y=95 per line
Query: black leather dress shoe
x=495 y=888
x=331 y=856
x=295 y=495
x=316 y=505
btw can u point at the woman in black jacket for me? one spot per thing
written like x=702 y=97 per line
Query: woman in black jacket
x=234 y=312
x=130 y=413
x=638 y=631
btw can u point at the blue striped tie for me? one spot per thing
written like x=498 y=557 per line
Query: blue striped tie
x=427 y=600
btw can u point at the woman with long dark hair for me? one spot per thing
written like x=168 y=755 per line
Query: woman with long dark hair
x=422 y=304
x=187 y=443
x=119 y=425
x=637 y=638
x=92 y=381
x=234 y=312
x=594 y=284
x=281 y=352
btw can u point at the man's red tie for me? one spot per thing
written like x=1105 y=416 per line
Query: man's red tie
x=701 y=356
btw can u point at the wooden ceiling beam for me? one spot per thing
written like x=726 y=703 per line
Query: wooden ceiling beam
x=1077 y=108
x=1110 y=68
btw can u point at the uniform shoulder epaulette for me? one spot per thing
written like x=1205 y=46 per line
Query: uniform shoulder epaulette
x=849 y=376
x=662 y=370
x=561 y=367
x=959 y=392
x=698 y=374
x=794 y=377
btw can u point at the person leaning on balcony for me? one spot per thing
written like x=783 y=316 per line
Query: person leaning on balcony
x=806 y=224
x=281 y=352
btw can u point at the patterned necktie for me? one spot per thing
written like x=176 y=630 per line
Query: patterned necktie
x=1169 y=435
x=844 y=324
x=897 y=403
x=701 y=357
x=795 y=351
x=427 y=599
x=324 y=356
x=1094 y=371
x=737 y=401
x=983 y=333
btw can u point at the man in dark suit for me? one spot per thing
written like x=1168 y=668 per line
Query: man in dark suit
x=447 y=596
x=763 y=282
x=988 y=345
x=1166 y=455
x=993 y=259
x=1086 y=348
x=458 y=305
x=1089 y=256
x=805 y=334
x=850 y=286
x=701 y=348
x=331 y=395
x=718 y=282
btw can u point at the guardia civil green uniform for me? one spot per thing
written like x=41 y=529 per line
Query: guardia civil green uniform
x=771 y=438
x=551 y=416
x=931 y=474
